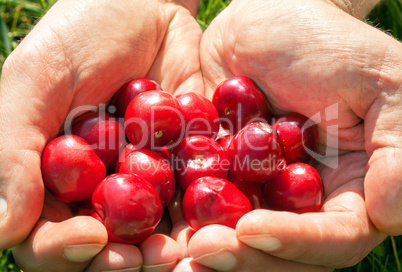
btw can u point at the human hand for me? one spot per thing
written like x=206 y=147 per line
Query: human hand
x=63 y=242
x=80 y=53
x=312 y=58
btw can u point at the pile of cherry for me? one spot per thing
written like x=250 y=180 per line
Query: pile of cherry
x=177 y=143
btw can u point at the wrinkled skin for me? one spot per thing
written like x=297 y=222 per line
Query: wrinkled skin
x=80 y=54
x=308 y=57
x=312 y=58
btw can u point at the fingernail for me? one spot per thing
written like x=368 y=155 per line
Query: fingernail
x=221 y=260
x=82 y=253
x=159 y=267
x=134 y=269
x=3 y=206
x=263 y=242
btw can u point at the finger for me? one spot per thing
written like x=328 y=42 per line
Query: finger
x=21 y=186
x=117 y=258
x=177 y=65
x=192 y=5
x=189 y=265
x=214 y=67
x=21 y=194
x=383 y=183
x=217 y=247
x=160 y=253
x=383 y=189
x=180 y=232
x=63 y=246
x=339 y=235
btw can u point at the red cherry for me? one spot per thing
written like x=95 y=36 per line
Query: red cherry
x=298 y=188
x=255 y=153
x=154 y=168
x=104 y=133
x=299 y=136
x=198 y=156
x=239 y=103
x=152 y=119
x=70 y=168
x=210 y=200
x=200 y=115
x=130 y=90
x=225 y=141
x=164 y=151
x=128 y=206
x=253 y=192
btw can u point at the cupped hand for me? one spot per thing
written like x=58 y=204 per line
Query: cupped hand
x=63 y=242
x=79 y=54
x=340 y=235
x=312 y=58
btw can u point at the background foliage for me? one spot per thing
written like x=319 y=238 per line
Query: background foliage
x=17 y=17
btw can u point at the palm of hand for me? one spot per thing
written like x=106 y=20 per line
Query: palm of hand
x=68 y=61
x=305 y=59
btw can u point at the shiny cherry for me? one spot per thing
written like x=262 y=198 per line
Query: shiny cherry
x=153 y=119
x=210 y=200
x=256 y=153
x=253 y=192
x=128 y=206
x=298 y=188
x=299 y=136
x=198 y=156
x=104 y=133
x=164 y=151
x=225 y=141
x=153 y=167
x=128 y=91
x=200 y=115
x=70 y=168
x=239 y=103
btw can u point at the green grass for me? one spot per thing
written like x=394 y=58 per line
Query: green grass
x=18 y=16
x=16 y=19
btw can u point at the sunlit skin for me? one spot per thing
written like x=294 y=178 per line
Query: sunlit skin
x=307 y=57
x=40 y=88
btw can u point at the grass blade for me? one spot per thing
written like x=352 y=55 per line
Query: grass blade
x=398 y=264
x=5 y=39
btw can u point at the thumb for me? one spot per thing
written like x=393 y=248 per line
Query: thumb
x=177 y=65
x=383 y=188
x=54 y=246
x=383 y=182
x=21 y=191
x=212 y=55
